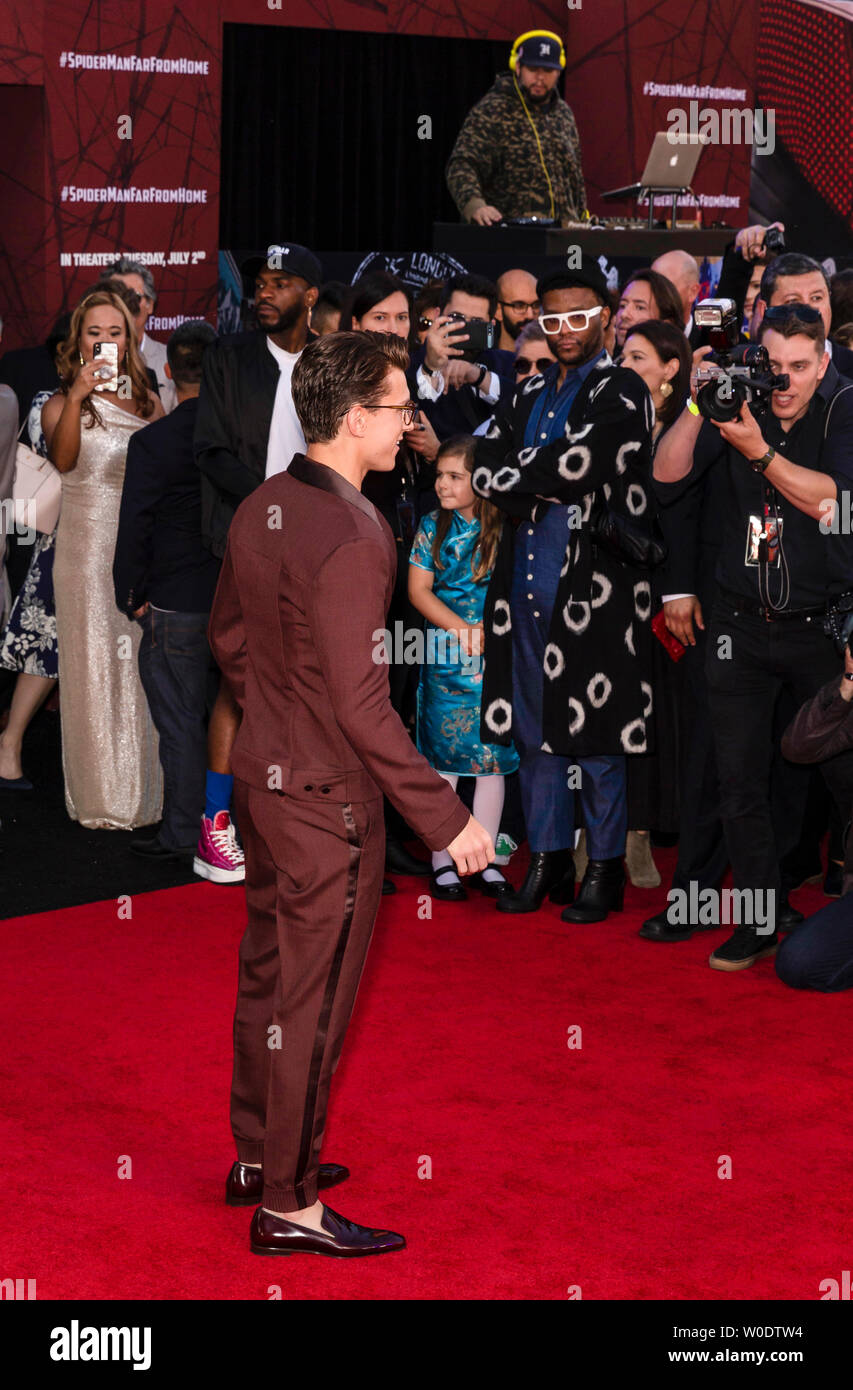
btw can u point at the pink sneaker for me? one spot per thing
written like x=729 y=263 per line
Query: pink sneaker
x=219 y=857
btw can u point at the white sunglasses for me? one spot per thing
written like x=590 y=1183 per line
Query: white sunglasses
x=577 y=320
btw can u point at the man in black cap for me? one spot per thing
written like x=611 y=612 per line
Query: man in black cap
x=567 y=625
x=247 y=427
x=518 y=152
x=246 y=430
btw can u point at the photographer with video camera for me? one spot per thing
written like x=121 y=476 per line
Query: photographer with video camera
x=776 y=416
x=458 y=373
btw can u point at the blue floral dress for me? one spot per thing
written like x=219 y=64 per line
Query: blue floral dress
x=451 y=683
x=29 y=641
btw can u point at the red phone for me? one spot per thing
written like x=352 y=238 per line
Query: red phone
x=674 y=648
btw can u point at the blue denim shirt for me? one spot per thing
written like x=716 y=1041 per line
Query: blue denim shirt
x=540 y=550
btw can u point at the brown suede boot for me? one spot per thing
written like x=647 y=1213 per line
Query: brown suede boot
x=641 y=867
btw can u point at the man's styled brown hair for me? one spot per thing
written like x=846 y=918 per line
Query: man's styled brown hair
x=791 y=326
x=341 y=370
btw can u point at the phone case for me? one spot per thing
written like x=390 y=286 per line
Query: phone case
x=673 y=647
x=111 y=358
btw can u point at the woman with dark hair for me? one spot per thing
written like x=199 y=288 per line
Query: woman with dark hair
x=659 y=353
x=647 y=295
x=109 y=745
x=381 y=302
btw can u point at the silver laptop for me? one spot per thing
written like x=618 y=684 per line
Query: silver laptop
x=672 y=165
x=669 y=166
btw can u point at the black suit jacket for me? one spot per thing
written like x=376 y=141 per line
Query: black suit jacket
x=159 y=554
x=238 y=386
x=463 y=408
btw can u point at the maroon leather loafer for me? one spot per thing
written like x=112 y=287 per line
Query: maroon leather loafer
x=244 y=1186
x=343 y=1239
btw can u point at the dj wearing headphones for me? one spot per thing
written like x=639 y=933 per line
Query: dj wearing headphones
x=518 y=152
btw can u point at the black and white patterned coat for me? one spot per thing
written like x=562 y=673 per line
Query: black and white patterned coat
x=598 y=660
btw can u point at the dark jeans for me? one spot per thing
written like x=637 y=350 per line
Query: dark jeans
x=819 y=953
x=178 y=676
x=743 y=690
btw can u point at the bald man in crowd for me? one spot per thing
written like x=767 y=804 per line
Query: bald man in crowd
x=518 y=304
x=682 y=270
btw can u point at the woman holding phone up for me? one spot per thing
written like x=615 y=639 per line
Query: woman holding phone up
x=109 y=745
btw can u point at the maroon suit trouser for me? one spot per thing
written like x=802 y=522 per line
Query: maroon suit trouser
x=314 y=872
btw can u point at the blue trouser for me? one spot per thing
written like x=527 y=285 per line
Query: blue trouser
x=176 y=670
x=547 y=798
x=819 y=953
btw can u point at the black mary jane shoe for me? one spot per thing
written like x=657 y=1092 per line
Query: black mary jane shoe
x=493 y=889
x=447 y=892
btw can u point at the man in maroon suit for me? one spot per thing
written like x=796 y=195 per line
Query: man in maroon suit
x=306 y=580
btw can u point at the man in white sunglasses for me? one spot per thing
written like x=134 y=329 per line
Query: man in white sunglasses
x=568 y=643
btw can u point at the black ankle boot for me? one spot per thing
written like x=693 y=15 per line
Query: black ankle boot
x=602 y=891
x=549 y=871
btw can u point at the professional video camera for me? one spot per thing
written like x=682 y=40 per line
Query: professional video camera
x=736 y=372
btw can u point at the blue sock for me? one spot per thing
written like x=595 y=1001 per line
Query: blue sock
x=217 y=793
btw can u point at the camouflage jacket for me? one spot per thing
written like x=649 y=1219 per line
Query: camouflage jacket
x=496 y=160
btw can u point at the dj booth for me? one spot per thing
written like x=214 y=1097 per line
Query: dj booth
x=491 y=250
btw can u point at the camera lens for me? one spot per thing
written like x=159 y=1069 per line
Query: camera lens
x=722 y=399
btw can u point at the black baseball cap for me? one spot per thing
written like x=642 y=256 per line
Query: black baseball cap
x=541 y=51
x=286 y=255
x=588 y=275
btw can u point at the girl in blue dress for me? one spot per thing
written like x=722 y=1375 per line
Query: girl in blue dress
x=450 y=565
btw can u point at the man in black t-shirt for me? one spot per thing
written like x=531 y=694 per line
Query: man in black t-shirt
x=780 y=561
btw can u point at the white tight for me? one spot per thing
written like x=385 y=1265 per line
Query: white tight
x=487 y=809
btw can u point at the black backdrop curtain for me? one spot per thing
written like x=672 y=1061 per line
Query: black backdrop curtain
x=320 y=134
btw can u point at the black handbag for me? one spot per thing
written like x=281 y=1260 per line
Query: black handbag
x=628 y=539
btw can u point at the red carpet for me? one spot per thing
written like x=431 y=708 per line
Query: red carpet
x=550 y=1167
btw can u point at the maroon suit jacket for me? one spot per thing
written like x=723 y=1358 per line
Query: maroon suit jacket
x=306 y=581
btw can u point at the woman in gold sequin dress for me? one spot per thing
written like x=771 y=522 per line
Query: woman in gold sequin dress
x=110 y=757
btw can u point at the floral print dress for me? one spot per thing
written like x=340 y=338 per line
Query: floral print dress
x=29 y=641
x=451 y=685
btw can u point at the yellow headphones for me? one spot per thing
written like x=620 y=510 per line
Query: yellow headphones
x=513 y=64
x=535 y=34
